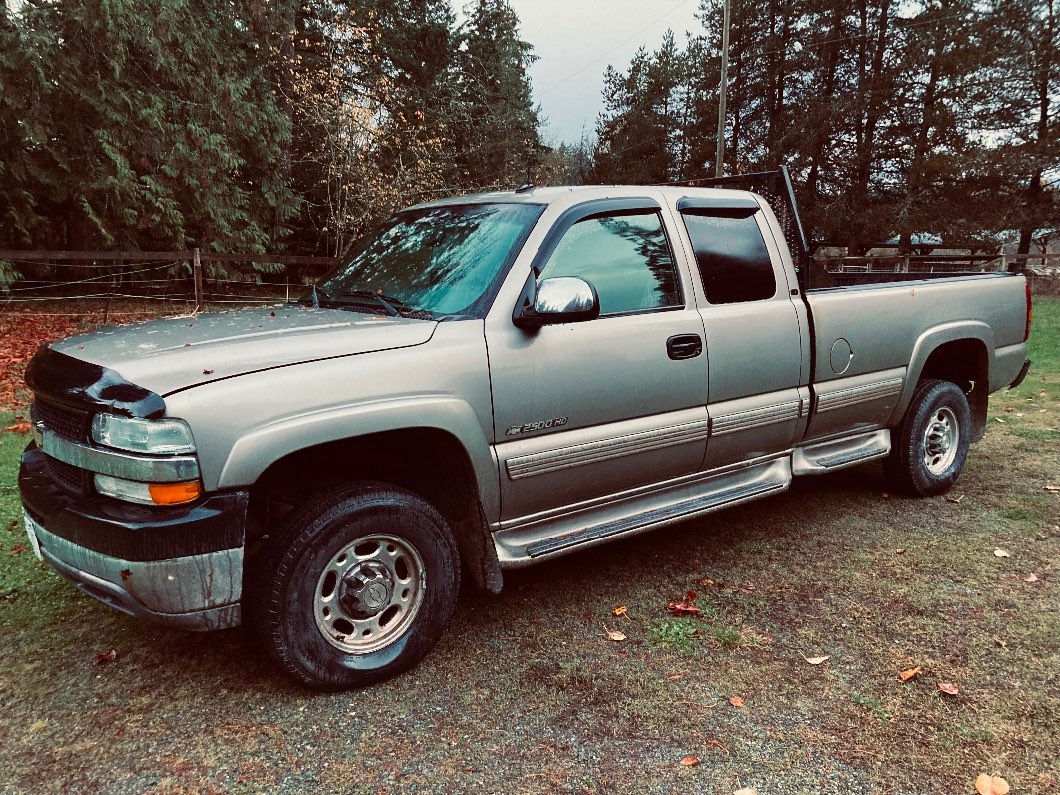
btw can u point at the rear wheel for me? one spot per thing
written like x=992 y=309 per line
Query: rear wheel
x=357 y=586
x=930 y=446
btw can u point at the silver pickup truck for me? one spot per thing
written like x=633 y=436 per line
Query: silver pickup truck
x=486 y=382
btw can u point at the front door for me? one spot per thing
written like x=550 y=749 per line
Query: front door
x=583 y=411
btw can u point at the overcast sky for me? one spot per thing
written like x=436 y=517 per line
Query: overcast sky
x=575 y=40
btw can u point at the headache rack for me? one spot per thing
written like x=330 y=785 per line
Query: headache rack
x=775 y=188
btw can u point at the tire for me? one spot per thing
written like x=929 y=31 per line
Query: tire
x=930 y=446
x=357 y=586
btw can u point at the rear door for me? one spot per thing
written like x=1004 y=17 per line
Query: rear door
x=584 y=411
x=755 y=339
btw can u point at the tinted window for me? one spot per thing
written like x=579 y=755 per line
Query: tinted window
x=732 y=257
x=626 y=257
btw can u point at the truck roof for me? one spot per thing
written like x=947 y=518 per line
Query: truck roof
x=575 y=194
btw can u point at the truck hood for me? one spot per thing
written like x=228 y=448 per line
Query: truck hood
x=176 y=353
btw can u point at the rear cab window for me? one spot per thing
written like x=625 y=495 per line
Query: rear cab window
x=731 y=254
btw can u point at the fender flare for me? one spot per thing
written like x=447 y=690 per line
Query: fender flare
x=927 y=343
x=256 y=450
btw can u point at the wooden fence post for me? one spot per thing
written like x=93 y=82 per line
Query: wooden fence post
x=196 y=270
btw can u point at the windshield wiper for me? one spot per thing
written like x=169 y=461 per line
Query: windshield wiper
x=389 y=302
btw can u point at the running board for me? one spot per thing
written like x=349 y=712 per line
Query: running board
x=839 y=453
x=521 y=545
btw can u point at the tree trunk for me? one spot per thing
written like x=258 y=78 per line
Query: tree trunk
x=915 y=178
x=870 y=86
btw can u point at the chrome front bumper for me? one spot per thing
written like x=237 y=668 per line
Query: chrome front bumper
x=198 y=592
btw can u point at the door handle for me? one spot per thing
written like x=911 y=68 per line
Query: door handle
x=684 y=346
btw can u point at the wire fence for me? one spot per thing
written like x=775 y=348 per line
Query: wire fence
x=136 y=283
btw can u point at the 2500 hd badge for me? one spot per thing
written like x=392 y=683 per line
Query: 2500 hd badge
x=540 y=425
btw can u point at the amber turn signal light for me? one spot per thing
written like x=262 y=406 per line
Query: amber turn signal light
x=174 y=493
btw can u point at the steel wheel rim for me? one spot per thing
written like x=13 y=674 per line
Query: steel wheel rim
x=369 y=593
x=941 y=440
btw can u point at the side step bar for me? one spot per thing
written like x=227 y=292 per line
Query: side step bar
x=643 y=521
x=839 y=453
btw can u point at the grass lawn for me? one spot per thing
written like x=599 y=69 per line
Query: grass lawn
x=525 y=693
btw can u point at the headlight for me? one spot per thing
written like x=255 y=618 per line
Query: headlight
x=157 y=437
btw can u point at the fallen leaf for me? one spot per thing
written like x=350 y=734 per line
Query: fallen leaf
x=18 y=427
x=1051 y=487
x=682 y=609
x=620 y=611
x=955 y=500
x=900 y=551
x=104 y=657
x=1002 y=643
x=816 y=660
x=746 y=791
x=675 y=677
x=949 y=688
x=909 y=673
x=986 y=784
x=691 y=761
x=614 y=635
x=1032 y=577
x=736 y=701
x=18 y=549
x=1001 y=553
x=685 y=607
x=1009 y=409
x=998 y=419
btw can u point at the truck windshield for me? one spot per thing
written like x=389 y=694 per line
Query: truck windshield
x=436 y=261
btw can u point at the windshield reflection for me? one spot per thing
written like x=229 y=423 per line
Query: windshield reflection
x=443 y=261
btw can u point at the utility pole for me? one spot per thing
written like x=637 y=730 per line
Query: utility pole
x=722 y=91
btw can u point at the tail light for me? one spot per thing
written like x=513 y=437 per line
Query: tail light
x=1027 y=328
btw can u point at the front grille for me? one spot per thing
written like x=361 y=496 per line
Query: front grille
x=66 y=475
x=68 y=423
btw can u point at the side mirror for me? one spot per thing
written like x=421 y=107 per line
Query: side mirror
x=565 y=299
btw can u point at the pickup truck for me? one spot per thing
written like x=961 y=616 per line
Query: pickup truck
x=487 y=382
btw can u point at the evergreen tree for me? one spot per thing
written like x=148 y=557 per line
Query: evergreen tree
x=641 y=131
x=497 y=132
x=895 y=118
x=153 y=125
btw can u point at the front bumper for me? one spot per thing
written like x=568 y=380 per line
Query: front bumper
x=181 y=565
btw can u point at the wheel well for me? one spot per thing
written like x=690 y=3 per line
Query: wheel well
x=965 y=363
x=429 y=462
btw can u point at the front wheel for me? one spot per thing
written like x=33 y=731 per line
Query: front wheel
x=931 y=444
x=357 y=586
